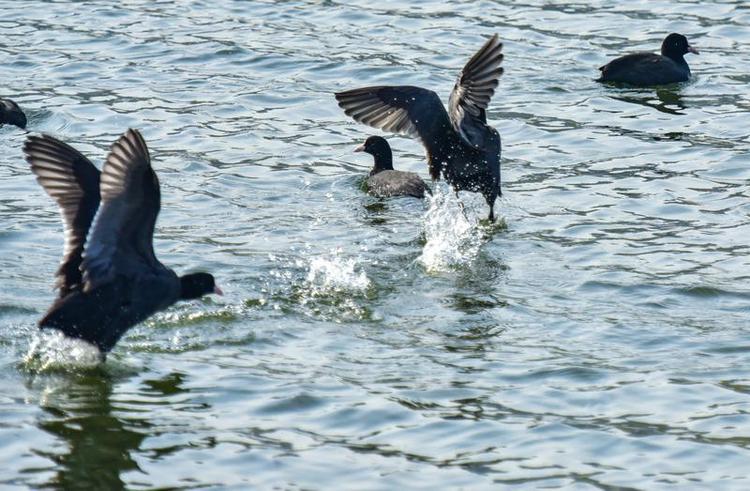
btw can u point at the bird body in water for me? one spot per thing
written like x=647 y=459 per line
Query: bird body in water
x=384 y=180
x=646 y=69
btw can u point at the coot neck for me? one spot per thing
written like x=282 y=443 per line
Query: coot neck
x=677 y=57
x=383 y=160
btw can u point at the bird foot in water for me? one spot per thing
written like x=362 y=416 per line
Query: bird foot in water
x=462 y=207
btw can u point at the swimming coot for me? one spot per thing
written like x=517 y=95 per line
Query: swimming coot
x=109 y=279
x=384 y=181
x=460 y=145
x=644 y=69
x=10 y=113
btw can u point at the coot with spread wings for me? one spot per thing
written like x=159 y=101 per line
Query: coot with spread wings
x=109 y=279
x=460 y=145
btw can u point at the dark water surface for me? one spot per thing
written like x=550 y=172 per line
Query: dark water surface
x=598 y=339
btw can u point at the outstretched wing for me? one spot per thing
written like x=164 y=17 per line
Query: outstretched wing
x=123 y=233
x=403 y=109
x=73 y=182
x=473 y=90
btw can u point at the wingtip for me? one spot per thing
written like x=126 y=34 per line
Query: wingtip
x=343 y=95
x=28 y=144
x=135 y=135
x=132 y=143
x=133 y=132
x=488 y=56
x=32 y=140
x=34 y=144
x=494 y=41
x=339 y=101
x=28 y=147
x=348 y=97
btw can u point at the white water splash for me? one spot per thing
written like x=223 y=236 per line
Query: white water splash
x=335 y=289
x=335 y=274
x=50 y=349
x=453 y=236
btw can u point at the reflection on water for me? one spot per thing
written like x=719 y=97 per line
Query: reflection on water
x=96 y=445
x=668 y=100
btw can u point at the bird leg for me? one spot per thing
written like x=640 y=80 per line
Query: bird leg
x=461 y=205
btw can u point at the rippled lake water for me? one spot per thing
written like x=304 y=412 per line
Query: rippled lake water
x=597 y=338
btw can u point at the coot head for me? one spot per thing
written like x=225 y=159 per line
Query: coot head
x=196 y=285
x=675 y=46
x=10 y=113
x=378 y=147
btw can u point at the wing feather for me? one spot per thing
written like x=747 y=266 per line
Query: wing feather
x=73 y=182
x=403 y=109
x=473 y=91
x=123 y=231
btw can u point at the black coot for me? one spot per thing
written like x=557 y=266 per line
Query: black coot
x=109 y=279
x=644 y=69
x=10 y=113
x=459 y=143
x=384 y=181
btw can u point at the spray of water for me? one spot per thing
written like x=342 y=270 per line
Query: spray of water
x=335 y=275
x=50 y=349
x=453 y=235
x=335 y=288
